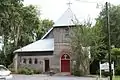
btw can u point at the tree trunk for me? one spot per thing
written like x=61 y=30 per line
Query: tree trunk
x=17 y=37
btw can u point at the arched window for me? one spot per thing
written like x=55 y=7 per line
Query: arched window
x=65 y=56
x=30 y=61
x=24 y=60
x=35 y=61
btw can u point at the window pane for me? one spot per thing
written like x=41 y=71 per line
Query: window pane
x=30 y=61
x=24 y=60
x=36 y=61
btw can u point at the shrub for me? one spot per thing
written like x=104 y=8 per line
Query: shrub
x=36 y=71
x=103 y=73
x=117 y=70
x=77 y=73
x=26 y=71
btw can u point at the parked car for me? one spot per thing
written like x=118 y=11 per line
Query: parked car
x=5 y=74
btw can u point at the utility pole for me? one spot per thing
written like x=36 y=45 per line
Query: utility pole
x=108 y=28
x=109 y=42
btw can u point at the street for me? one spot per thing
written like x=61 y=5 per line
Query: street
x=45 y=77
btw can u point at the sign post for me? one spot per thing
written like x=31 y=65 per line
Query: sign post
x=105 y=67
x=100 y=68
x=113 y=69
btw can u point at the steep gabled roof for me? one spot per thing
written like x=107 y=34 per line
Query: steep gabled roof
x=67 y=19
x=40 y=45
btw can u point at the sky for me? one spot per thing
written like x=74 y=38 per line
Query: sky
x=83 y=9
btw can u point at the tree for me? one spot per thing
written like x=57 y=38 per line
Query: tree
x=114 y=25
x=116 y=55
x=114 y=12
x=9 y=18
x=44 y=27
x=81 y=38
x=19 y=26
x=30 y=24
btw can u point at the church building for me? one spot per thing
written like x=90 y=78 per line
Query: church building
x=52 y=51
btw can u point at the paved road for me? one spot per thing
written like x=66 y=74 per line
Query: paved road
x=45 y=77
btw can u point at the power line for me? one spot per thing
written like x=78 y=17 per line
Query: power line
x=88 y=1
x=98 y=3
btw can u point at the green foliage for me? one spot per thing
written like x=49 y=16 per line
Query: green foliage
x=104 y=73
x=102 y=48
x=85 y=36
x=28 y=71
x=116 y=58
x=114 y=24
x=36 y=71
x=115 y=51
x=115 y=33
x=115 y=55
x=25 y=70
x=19 y=26
x=98 y=46
x=116 y=78
x=45 y=26
x=77 y=72
x=2 y=58
x=117 y=70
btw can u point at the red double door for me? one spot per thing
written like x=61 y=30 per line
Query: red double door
x=65 y=63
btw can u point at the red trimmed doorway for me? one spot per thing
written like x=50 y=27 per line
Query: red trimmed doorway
x=65 y=63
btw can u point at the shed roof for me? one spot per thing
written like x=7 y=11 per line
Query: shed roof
x=40 y=45
x=67 y=19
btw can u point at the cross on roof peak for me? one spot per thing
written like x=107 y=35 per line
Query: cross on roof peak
x=69 y=4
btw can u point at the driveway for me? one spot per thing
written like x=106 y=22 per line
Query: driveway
x=45 y=77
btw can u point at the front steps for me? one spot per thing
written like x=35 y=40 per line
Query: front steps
x=63 y=74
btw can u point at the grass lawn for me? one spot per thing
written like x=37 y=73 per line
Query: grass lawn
x=116 y=78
